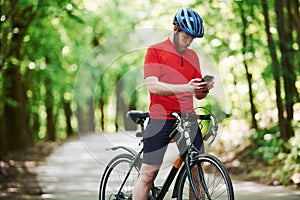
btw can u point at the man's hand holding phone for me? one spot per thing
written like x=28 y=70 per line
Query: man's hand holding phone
x=210 y=82
x=202 y=86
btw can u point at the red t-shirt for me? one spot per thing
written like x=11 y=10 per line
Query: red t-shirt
x=163 y=61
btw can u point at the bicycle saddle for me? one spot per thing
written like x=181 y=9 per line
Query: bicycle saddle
x=137 y=116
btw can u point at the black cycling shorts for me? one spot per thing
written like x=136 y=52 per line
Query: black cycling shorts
x=156 y=140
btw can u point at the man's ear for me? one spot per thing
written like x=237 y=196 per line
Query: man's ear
x=176 y=28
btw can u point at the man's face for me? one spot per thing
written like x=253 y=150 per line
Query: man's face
x=182 y=41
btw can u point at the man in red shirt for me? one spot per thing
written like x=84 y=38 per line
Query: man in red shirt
x=173 y=78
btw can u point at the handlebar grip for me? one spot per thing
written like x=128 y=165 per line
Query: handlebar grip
x=190 y=116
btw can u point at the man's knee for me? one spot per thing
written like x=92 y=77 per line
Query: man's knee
x=148 y=173
x=147 y=177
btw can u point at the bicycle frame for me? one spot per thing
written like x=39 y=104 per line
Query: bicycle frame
x=187 y=158
x=172 y=174
x=176 y=166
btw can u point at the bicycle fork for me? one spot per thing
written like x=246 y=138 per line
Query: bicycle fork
x=192 y=182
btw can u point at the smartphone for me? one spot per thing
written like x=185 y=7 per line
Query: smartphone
x=207 y=78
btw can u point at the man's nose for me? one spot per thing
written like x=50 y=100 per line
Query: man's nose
x=189 y=41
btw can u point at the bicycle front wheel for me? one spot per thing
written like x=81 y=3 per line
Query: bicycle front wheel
x=119 y=178
x=211 y=180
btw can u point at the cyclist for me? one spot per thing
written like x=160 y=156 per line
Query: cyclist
x=173 y=77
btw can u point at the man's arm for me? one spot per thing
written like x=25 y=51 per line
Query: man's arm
x=164 y=89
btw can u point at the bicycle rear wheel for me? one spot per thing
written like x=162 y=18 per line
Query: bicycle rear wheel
x=114 y=176
x=215 y=176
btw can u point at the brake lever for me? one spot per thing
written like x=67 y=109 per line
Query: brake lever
x=212 y=130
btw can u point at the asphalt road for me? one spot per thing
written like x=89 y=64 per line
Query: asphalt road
x=74 y=169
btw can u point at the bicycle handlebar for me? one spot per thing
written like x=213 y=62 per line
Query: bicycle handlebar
x=139 y=117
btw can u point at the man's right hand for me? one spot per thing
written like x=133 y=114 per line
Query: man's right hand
x=198 y=86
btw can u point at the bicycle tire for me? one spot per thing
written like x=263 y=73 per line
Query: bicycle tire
x=216 y=177
x=114 y=175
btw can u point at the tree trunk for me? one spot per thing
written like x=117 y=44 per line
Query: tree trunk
x=122 y=108
x=129 y=124
x=248 y=75
x=85 y=116
x=68 y=115
x=15 y=111
x=36 y=125
x=80 y=120
x=285 y=45
x=3 y=141
x=35 y=105
x=15 y=120
x=101 y=107
x=295 y=14
x=120 y=103
x=50 y=131
x=275 y=68
x=91 y=116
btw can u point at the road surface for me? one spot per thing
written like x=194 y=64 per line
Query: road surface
x=74 y=169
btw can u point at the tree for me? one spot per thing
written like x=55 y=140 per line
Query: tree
x=283 y=69
x=275 y=67
x=285 y=29
x=26 y=50
x=15 y=130
x=244 y=52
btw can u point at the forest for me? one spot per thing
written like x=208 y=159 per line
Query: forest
x=72 y=67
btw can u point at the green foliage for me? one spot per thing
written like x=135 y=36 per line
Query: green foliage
x=289 y=168
x=267 y=145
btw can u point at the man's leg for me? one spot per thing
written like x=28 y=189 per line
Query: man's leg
x=145 y=180
x=198 y=185
x=156 y=139
x=198 y=142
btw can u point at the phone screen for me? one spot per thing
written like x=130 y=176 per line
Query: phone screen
x=207 y=78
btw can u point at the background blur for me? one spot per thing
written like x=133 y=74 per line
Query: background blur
x=75 y=66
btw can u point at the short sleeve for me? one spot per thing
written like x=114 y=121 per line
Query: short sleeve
x=152 y=63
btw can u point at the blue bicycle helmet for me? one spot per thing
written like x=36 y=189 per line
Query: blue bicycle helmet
x=190 y=22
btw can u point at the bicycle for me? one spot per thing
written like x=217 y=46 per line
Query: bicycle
x=211 y=182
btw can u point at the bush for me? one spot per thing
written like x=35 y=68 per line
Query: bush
x=284 y=158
